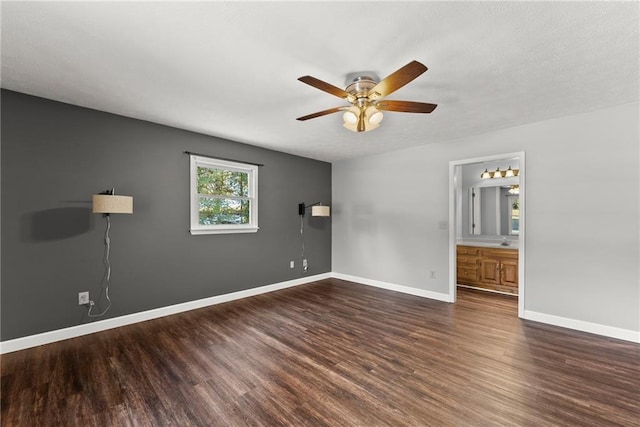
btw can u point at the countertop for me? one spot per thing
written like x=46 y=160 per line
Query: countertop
x=488 y=243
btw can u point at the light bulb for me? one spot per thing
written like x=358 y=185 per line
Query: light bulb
x=350 y=117
x=375 y=118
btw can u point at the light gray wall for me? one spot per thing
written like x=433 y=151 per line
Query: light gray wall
x=582 y=240
x=55 y=156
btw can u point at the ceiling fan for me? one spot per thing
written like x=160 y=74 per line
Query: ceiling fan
x=365 y=95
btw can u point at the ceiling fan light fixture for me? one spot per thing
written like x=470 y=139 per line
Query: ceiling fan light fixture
x=351 y=126
x=350 y=117
x=370 y=126
x=374 y=116
x=365 y=93
x=363 y=122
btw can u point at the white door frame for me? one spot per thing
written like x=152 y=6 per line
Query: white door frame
x=453 y=222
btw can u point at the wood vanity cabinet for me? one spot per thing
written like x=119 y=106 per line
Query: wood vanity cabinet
x=488 y=268
x=468 y=266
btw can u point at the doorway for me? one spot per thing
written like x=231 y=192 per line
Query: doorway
x=501 y=216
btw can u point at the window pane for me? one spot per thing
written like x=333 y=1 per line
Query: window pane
x=222 y=211
x=221 y=182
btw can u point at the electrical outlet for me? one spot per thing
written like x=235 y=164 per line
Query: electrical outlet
x=83 y=298
x=443 y=225
x=292 y=264
x=433 y=274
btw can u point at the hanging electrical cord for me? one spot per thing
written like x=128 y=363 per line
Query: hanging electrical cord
x=106 y=279
x=302 y=238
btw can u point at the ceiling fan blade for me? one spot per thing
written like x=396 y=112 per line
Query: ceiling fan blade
x=326 y=87
x=322 y=113
x=397 y=79
x=405 y=106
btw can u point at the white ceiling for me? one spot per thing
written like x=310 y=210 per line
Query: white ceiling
x=230 y=69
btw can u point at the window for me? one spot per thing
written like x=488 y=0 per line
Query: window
x=224 y=196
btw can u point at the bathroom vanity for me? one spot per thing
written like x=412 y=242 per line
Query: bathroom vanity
x=489 y=267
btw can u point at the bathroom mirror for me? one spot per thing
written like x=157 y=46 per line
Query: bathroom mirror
x=494 y=210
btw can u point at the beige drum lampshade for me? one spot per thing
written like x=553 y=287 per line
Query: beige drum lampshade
x=320 y=211
x=108 y=204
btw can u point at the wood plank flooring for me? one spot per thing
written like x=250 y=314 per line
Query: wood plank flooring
x=331 y=353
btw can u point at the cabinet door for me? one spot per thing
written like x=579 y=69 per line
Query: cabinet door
x=490 y=271
x=509 y=272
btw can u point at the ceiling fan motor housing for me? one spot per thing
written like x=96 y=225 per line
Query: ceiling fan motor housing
x=361 y=86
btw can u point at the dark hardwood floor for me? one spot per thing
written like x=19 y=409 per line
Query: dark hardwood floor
x=331 y=353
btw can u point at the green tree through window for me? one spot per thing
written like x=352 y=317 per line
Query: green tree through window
x=222 y=196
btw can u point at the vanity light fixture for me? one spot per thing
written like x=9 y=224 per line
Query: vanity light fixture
x=514 y=190
x=508 y=173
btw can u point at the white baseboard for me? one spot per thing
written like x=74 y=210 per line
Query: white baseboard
x=103 y=325
x=393 y=287
x=594 y=328
x=580 y=325
x=485 y=290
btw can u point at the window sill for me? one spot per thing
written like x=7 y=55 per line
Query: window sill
x=197 y=232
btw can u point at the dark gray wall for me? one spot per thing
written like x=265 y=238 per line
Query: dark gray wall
x=55 y=156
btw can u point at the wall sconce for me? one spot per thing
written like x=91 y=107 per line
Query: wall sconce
x=108 y=203
x=507 y=173
x=317 y=209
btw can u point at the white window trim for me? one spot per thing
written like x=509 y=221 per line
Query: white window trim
x=252 y=170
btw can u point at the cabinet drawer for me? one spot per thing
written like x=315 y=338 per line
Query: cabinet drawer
x=467 y=273
x=467 y=250
x=465 y=261
x=500 y=253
